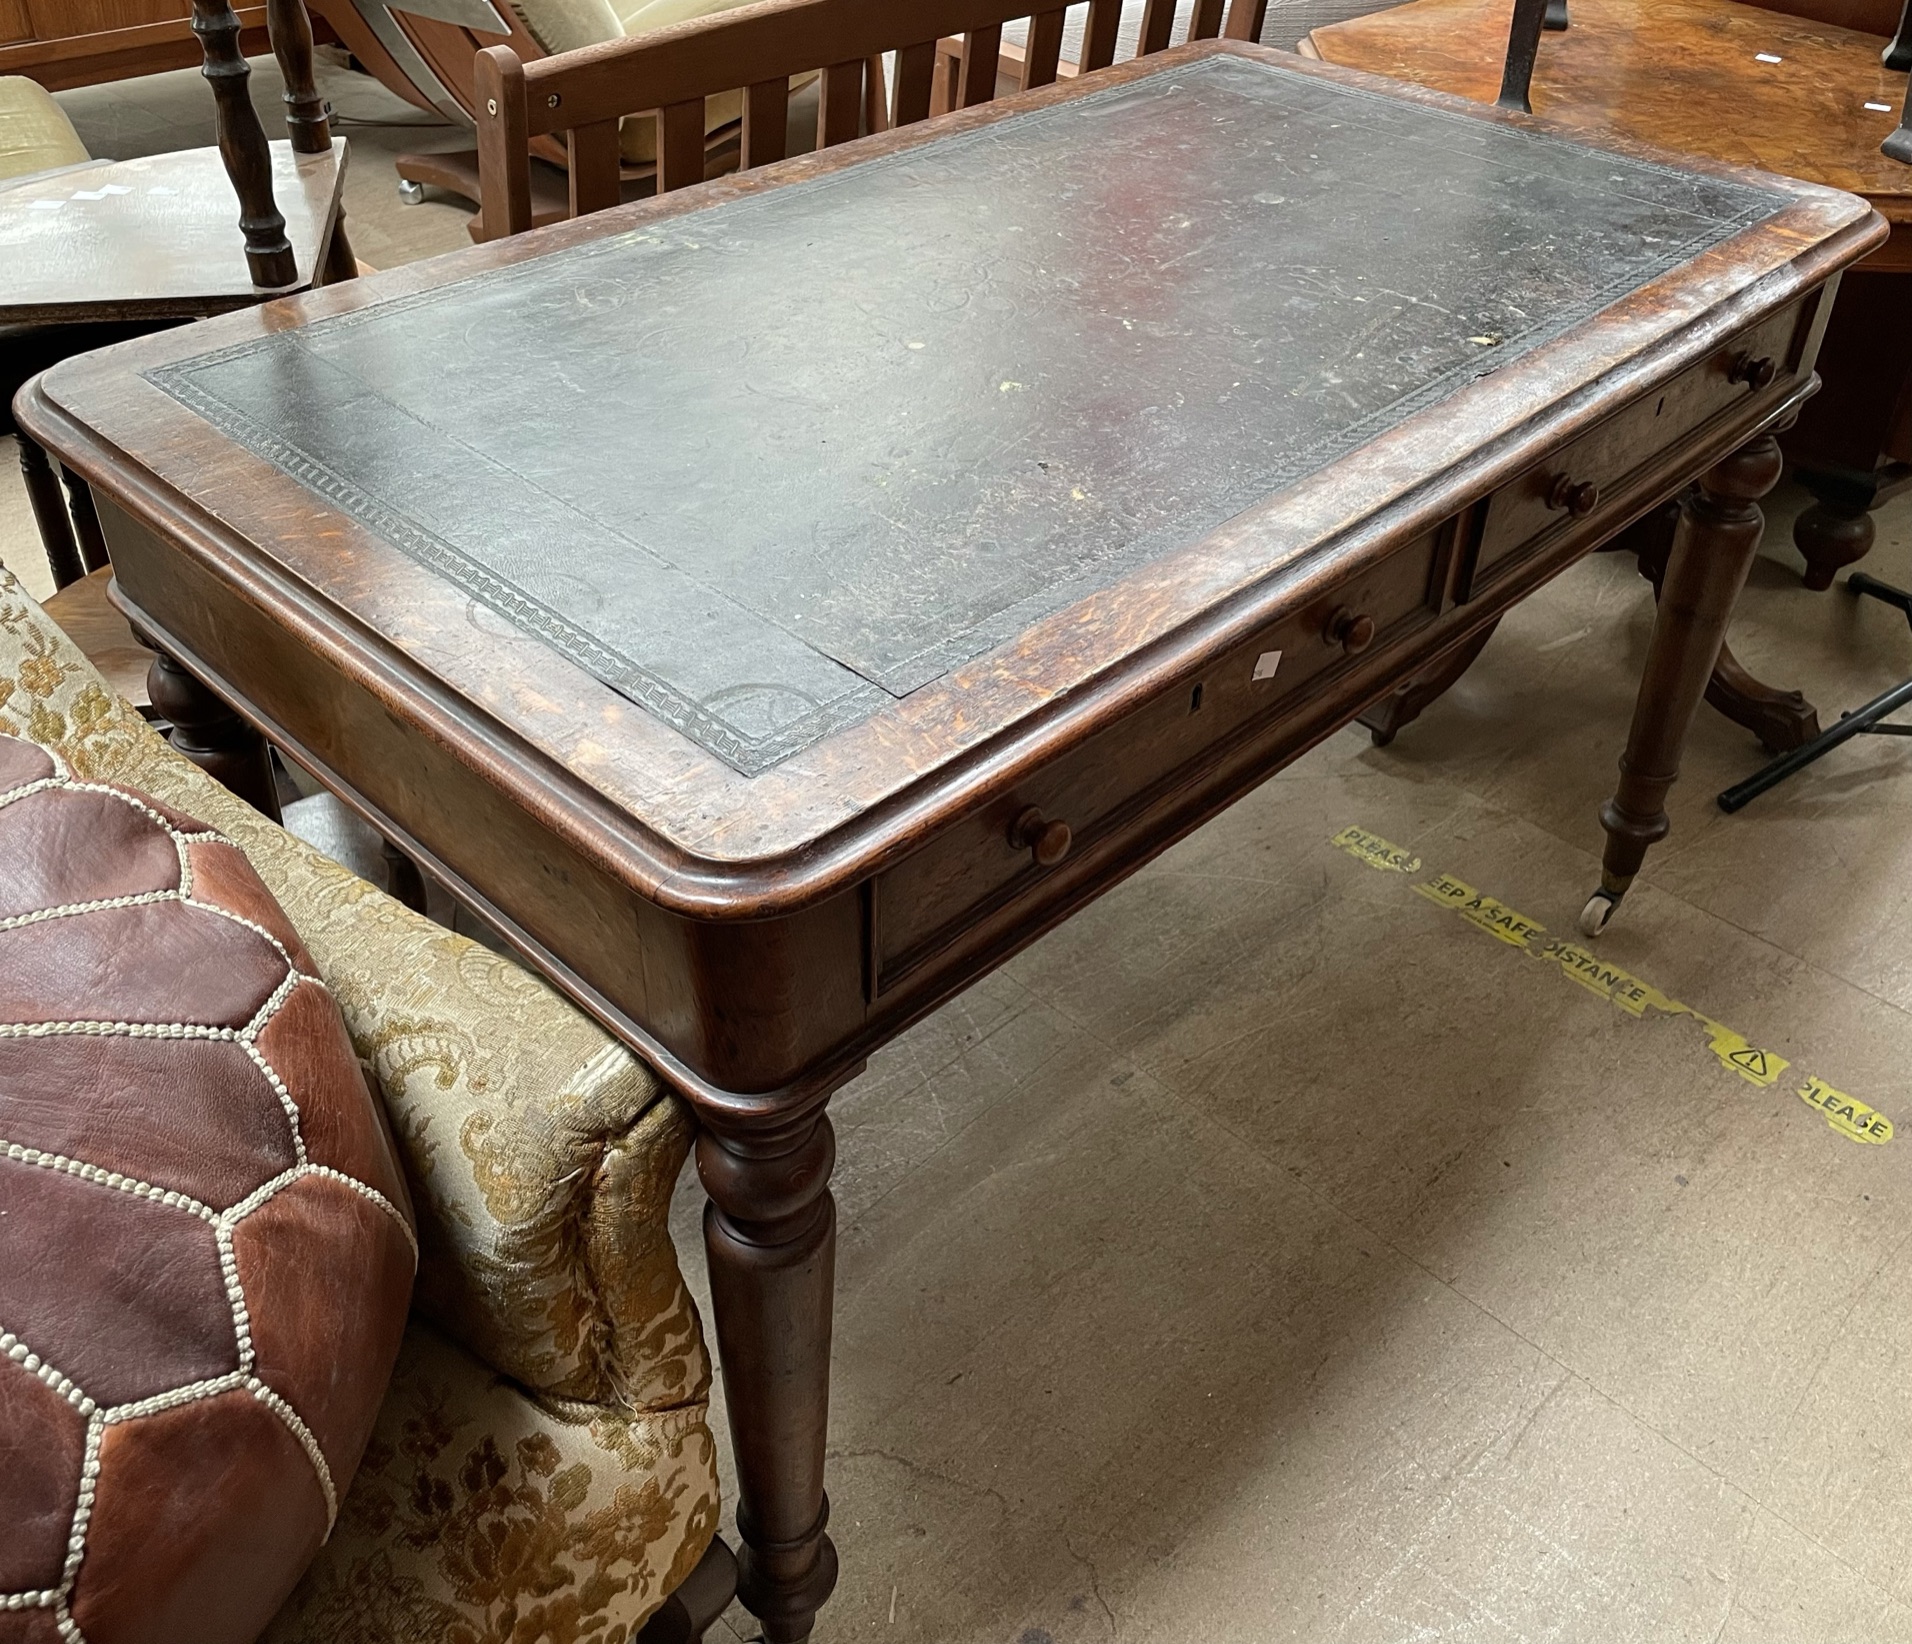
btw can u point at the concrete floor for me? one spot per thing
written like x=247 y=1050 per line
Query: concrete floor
x=1274 y=1255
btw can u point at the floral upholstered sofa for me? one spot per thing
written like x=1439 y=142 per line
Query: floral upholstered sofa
x=542 y=1469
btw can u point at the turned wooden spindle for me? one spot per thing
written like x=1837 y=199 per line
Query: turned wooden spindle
x=307 y=119
x=243 y=146
x=50 y=513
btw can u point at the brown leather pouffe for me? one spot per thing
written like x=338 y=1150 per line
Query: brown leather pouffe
x=206 y=1253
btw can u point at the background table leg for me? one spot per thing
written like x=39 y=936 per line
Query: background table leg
x=1719 y=531
x=770 y=1233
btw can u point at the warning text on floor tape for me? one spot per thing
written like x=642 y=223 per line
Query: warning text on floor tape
x=1735 y=1054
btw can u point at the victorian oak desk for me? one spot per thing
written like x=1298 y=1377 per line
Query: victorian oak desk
x=777 y=604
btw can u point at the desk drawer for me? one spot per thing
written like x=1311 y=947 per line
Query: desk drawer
x=1539 y=504
x=929 y=899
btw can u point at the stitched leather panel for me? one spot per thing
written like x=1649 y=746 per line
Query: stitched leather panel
x=165 y=1476
x=226 y=1489
x=211 y=1126
x=139 y=964
x=29 y=1627
x=42 y=1446
x=222 y=875
x=21 y=763
x=121 y=1294
x=305 y=1307
x=305 y=1041
x=64 y=847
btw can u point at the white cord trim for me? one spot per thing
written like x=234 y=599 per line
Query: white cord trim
x=172 y=1199
x=303 y=1434
x=237 y=1213
x=235 y=1294
x=133 y=801
x=366 y=1190
x=112 y=1030
x=40 y=784
x=134 y=899
x=294 y=1119
x=19 y=1353
x=63 y=1619
x=83 y=1506
x=262 y=1018
x=174 y=1397
x=44 y=1599
x=268 y=1191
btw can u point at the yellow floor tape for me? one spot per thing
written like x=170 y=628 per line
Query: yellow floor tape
x=1735 y=1053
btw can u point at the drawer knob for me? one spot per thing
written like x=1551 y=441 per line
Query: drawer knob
x=1755 y=372
x=1578 y=498
x=1352 y=632
x=1048 y=841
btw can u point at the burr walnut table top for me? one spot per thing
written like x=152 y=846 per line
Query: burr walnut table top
x=1718 y=78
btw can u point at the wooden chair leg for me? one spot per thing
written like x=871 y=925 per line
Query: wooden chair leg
x=694 y=1608
x=404 y=883
x=86 y=522
x=242 y=145
x=307 y=119
x=1899 y=145
x=50 y=514
x=211 y=735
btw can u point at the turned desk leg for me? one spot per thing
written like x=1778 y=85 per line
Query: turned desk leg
x=770 y=1235
x=211 y=735
x=1719 y=531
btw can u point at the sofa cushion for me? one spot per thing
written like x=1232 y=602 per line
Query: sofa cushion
x=35 y=134
x=205 y=1257
x=567 y=25
x=486 y=1515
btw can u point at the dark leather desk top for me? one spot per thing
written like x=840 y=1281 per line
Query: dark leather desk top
x=862 y=465
x=767 y=468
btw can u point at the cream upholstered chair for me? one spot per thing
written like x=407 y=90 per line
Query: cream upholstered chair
x=35 y=134
x=542 y=1467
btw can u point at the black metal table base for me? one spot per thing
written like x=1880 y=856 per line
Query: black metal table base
x=1866 y=721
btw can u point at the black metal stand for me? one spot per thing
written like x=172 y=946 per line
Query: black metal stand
x=1898 y=55
x=1865 y=722
x=1523 y=46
